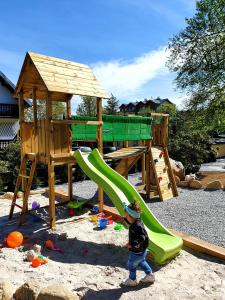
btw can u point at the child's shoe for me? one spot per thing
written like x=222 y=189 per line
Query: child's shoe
x=149 y=278
x=129 y=282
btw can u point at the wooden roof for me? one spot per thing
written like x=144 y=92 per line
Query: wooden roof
x=61 y=77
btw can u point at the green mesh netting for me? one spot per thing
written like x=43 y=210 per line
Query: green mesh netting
x=115 y=128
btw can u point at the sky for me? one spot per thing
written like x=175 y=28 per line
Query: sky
x=124 y=41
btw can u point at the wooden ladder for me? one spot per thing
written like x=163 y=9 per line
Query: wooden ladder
x=27 y=179
x=163 y=173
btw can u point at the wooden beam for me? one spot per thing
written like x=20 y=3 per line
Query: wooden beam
x=147 y=167
x=165 y=130
x=76 y=122
x=51 y=186
x=35 y=107
x=143 y=171
x=158 y=114
x=69 y=166
x=100 y=147
x=200 y=245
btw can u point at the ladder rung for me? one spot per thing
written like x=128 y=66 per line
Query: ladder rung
x=17 y=205
x=24 y=176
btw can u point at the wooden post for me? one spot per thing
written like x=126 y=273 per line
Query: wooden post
x=22 y=151
x=148 y=168
x=100 y=147
x=143 y=171
x=165 y=130
x=51 y=173
x=69 y=166
x=126 y=144
x=126 y=168
x=35 y=108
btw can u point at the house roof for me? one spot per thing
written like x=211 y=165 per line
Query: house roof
x=5 y=80
x=57 y=76
x=157 y=101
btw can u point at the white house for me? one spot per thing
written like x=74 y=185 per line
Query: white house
x=9 y=112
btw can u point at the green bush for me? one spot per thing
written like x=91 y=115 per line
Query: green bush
x=191 y=148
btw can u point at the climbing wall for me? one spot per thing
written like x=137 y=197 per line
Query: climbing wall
x=163 y=173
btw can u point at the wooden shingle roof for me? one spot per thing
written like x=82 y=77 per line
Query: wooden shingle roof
x=58 y=76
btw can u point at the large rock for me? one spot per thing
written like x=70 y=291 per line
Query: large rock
x=56 y=292
x=178 y=168
x=28 y=291
x=6 y=290
x=195 y=184
x=8 y=195
x=177 y=179
x=183 y=184
x=214 y=185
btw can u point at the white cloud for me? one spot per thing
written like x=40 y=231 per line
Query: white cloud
x=125 y=79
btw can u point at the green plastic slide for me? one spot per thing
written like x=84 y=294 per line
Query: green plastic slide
x=163 y=244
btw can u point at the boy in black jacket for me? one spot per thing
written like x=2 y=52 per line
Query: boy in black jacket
x=137 y=245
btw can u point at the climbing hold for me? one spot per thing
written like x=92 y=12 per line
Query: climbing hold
x=155 y=160
x=159 y=178
x=161 y=154
x=169 y=185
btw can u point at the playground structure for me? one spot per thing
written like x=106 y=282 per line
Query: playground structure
x=48 y=141
x=151 y=135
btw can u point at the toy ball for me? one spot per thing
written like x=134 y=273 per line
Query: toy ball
x=49 y=244
x=30 y=255
x=14 y=239
x=35 y=205
x=36 y=262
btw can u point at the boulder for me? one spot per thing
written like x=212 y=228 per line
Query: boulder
x=28 y=291
x=178 y=168
x=214 y=185
x=6 y=290
x=8 y=195
x=177 y=179
x=56 y=292
x=195 y=184
x=183 y=183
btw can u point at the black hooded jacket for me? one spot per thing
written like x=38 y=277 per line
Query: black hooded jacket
x=138 y=237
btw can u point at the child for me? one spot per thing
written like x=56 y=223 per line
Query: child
x=137 y=245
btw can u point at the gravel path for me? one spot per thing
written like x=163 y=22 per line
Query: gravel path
x=197 y=212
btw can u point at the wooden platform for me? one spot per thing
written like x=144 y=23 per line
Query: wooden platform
x=126 y=152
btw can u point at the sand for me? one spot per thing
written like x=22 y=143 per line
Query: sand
x=94 y=262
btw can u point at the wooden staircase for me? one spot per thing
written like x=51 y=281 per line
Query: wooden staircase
x=163 y=173
x=26 y=182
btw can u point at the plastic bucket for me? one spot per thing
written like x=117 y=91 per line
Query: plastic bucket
x=103 y=223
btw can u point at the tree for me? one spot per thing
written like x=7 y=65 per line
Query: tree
x=167 y=108
x=87 y=107
x=197 y=55
x=58 y=110
x=112 y=106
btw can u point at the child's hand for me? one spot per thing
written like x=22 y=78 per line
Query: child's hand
x=128 y=246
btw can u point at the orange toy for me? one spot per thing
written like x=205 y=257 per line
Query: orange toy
x=49 y=244
x=36 y=262
x=14 y=239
